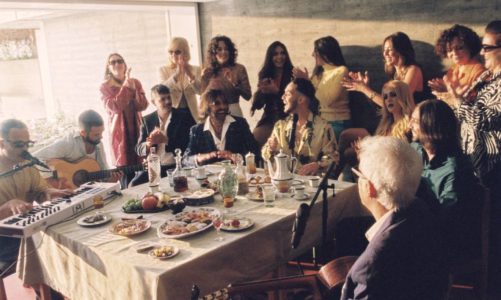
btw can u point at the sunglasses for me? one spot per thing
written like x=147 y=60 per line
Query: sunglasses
x=176 y=52
x=21 y=144
x=488 y=48
x=116 y=61
x=390 y=94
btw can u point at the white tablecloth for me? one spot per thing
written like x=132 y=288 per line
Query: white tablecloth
x=91 y=263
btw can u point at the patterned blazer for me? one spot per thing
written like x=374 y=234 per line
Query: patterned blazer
x=239 y=139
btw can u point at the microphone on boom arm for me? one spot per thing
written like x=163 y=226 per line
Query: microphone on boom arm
x=302 y=214
x=26 y=155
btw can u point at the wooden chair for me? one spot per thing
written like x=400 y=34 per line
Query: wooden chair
x=325 y=284
x=478 y=267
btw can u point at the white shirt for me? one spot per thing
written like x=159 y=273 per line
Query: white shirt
x=166 y=158
x=220 y=144
x=369 y=234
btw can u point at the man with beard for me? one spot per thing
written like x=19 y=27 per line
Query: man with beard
x=303 y=134
x=85 y=143
x=221 y=135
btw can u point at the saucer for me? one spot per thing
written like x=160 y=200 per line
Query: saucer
x=306 y=196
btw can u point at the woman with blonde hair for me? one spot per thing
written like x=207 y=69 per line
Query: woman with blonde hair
x=182 y=79
x=124 y=99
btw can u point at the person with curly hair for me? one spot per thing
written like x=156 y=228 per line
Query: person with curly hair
x=274 y=76
x=221 y=71
x=462 y=46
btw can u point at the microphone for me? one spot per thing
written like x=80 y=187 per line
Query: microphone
x=302 y=214
x=26 y=155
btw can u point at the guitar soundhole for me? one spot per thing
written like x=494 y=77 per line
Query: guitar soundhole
x=80 y=177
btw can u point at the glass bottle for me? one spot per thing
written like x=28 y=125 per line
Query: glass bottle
x=228 y=183
x=243 y=184
x=179 y=178
x=153 y=167
x=250 y=161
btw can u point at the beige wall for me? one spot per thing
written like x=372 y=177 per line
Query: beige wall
x=360 y=27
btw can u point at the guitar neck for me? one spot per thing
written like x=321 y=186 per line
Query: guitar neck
x=98 y=175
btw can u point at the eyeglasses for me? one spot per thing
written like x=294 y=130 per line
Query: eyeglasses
x=116 y=61
x=21 y=144
x=488 y=48
x=176 y=52
x=390 y=94
x=358 y=173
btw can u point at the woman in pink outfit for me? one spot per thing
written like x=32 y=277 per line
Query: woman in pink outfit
x=124 y=100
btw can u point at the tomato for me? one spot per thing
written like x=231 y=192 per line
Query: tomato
x=149 y=202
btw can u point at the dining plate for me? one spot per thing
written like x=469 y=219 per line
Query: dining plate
x=130 y=227
x=254 y=196
x=94 y=220
x=187 y=223
x=237 y=224
x=164 y=252
x=306 y=196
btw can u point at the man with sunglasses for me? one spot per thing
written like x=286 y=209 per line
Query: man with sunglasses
x=19 y=189
x=84 y=143
x=405 y=256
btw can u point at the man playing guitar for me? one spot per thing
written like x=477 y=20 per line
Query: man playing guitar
x=80 y=145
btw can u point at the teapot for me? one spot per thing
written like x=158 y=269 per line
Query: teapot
x=282 y=170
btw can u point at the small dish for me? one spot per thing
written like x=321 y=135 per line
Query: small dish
x=236 y=224
x=255 y=196
x=164 y=252
x=130 y=227
x=306 y=196
x=94 y=220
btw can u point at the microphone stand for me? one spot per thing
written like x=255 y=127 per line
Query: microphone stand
x=17 y=168
x=322 y=187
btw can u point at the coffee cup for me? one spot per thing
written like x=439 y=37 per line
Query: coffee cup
x=282 y=186
x=314 y=182
x=299 y=192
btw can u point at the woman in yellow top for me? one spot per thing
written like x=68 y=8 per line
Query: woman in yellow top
x=461 y=45
x=330 y=69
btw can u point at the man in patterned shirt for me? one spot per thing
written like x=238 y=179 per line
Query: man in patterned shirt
x=304 y=134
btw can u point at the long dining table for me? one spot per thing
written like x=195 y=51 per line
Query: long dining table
x=93 y=263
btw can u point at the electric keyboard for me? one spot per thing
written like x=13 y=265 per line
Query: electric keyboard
x=28 y=223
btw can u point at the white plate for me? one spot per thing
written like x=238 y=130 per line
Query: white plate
x=81 y=221
x=254 y=196
x=175 y=251
x=245 y=223
x=181 y=229
x=136 y=226
x=306 y=196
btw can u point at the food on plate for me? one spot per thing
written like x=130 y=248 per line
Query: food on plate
x=130 y=227
x=259 y=180
x=210 y=185
x=93 y=219
x=164 y=251
x=259 y=192
x=202 y=193
x=163 y=199
x=187 y=222
x=176 y=205
x=149 y=201
x=235 y=223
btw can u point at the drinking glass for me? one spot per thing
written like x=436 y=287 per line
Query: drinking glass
x=217 y=221
x=269 y=194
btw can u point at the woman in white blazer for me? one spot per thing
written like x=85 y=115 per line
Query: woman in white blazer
x=182 y=79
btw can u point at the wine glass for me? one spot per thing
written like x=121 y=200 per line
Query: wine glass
x=217 y=221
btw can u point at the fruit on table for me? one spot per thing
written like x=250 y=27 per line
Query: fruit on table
x=163 y=199
x=132 y=205
x=149 y=202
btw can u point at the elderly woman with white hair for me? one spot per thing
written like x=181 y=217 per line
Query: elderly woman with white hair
x=405 y=256
x=182 y=79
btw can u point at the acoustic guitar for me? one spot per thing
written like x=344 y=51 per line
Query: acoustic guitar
x=85 y=170
x=326 y=284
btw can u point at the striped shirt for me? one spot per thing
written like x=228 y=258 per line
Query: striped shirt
x=481 y=123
